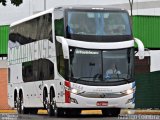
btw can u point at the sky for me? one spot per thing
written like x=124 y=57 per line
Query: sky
x=11 y=13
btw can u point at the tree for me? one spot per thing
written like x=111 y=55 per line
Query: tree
x=14 y=2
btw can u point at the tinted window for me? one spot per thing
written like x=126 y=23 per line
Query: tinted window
x=41 y=69
x=59 y=22
x=30 y=31
x=101 y=67
x=60 y=59
x=59 y=27
x=27 y=72
x=98 y=23
x=59 y=31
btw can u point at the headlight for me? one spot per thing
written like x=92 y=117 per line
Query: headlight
x=74 y=91
x=129 y=91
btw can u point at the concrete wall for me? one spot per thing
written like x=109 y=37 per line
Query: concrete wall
x=3 y=85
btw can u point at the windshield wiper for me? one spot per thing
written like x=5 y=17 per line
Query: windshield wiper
x=74 y=79
x=127 y=80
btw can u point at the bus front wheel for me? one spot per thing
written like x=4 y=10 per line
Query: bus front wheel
x=58 y=112
x=52 y=107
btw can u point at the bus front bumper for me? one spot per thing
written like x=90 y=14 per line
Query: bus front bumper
x=78 y=101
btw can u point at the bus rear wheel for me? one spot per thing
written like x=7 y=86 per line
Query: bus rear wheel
x=20 y=106
x=16 y=102
x=15 y=99
x=45 y=99
x=111 y=112
x=50 y=106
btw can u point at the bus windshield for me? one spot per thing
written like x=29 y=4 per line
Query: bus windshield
x=107 y=23
x=101 y=65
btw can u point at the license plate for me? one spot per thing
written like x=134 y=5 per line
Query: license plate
x=102 y=103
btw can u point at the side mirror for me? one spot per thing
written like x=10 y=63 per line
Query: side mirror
x=140 y=48
x=65 y=47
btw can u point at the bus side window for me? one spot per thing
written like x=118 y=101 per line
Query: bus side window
x=27 y=71
x=51 y=70
x=42 y=69
x=59 y=27
x=60 y=59
x=46 y=70
x=35 y=70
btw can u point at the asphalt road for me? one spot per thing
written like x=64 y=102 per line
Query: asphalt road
x=80 y=117
x=46 y=117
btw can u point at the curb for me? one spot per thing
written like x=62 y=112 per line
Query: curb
x=141 y=112
x=15 y=111
x=8 y=111
x=148 y=112
x=94 y=112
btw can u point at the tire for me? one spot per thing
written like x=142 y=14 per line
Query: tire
x=15 y=103
x=15 y=99
x=50 y=107
x=111 y=112
x=58 y=112
x=20 y=107
x=50 y=110
x=45 y=100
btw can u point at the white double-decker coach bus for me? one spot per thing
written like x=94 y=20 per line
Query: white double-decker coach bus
x=72 y=58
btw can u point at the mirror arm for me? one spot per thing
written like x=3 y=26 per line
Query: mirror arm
x=140 y=48
x=65 y=47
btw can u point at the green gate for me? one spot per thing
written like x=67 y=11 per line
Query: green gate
x=4 y=31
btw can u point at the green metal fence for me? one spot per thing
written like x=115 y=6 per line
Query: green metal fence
x=147 y=28
x=4 y=31
x=148 y=90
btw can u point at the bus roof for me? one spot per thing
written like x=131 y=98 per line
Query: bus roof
x=70 y=7
x=90 y=7
x=31 y=17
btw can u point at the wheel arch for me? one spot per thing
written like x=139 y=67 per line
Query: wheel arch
x=15 y=93
x=46 y=90
x=21 y=92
